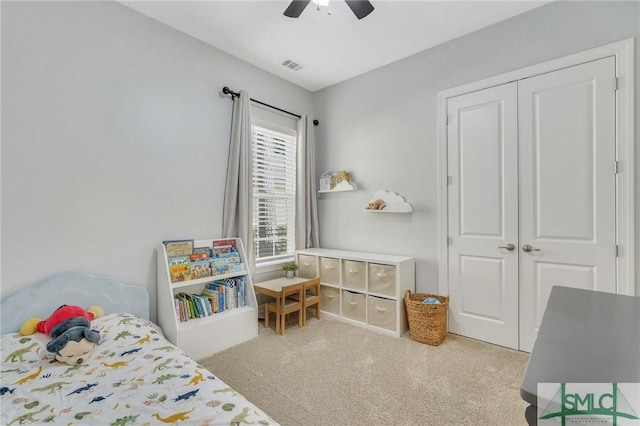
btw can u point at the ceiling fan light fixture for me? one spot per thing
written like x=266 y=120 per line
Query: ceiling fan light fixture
x=360 y=8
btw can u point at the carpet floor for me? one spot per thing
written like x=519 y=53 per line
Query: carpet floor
x=334 y=373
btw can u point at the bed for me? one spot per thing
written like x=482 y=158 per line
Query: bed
x=133 y=377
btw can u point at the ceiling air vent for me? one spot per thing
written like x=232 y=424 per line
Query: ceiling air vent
x=292 y=65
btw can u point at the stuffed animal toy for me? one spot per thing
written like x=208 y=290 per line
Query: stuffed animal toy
x=377 y=205
x=342 y=176
x=72 y=339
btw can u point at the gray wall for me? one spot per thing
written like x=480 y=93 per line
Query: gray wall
x=114 y=137
x=381 y=126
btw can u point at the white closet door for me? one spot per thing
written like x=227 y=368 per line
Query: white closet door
x=483 y=215
x=567 y=186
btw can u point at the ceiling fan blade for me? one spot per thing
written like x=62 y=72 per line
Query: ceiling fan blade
x=295 y=8
x=360 y=8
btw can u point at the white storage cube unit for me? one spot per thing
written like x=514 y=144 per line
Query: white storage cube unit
x=366 y=289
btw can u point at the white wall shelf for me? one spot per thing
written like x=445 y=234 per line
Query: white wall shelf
x=393 y=203
x=342 y=187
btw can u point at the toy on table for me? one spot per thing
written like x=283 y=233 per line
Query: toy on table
x=72 y=339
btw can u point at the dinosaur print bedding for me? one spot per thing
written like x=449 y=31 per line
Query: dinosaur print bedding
x=134 y=377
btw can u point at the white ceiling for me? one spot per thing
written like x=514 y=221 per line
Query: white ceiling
x=330 y=48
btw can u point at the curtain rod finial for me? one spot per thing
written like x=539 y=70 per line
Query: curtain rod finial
x=228 y=91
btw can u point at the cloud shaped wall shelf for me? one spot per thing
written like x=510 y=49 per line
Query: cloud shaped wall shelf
x=342 y=186
x=388 y=202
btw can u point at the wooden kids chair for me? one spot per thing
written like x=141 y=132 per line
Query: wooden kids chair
x=311 y=298
x=284 y=306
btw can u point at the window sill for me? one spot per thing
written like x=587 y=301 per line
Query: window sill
x=272 y=266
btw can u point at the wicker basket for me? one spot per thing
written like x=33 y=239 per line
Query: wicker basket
x=427 y=322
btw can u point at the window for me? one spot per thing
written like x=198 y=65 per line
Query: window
x=274 y=194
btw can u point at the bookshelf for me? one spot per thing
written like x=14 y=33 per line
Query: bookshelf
x=207 y=335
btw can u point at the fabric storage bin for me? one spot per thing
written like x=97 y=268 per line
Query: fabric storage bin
x=354 y=275
x=307 y=266
x=330 y=299
x=354 y=305
x=329 y=270
x=381 y=312
x=382 y=279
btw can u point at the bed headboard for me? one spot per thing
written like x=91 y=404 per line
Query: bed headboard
x=72 y=288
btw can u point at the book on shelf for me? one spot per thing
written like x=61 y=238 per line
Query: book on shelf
x=221 y=250
x=179 y=268
x=219 y=266
x=220 y=259
x=177 y=248
x=226 y=242
x=217 y=296
x=213 y=297
x=206 y=250
x=201 y=310
x=200 y=269
x=198 y=256
x=206 y=305
x=221 y=295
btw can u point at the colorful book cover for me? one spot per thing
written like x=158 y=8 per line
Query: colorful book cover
x=219 y=288
x=219 y=266
x=177 y=248
x=200 y=269
x=206 y=250
x=212 y=296
x=229 y=242
x=232 y=256
x=229 y=286
x=198 y=256
x=179 y=268
x=205 y=304
x=220 y=251
x=188 y=306
x=197 y=305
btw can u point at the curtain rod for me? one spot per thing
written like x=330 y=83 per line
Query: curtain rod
x=234 y=95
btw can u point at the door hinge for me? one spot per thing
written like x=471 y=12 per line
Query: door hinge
x=447 y=119
x=615 y=84
x=616 y=167
x=449 y=180
x=617 y=250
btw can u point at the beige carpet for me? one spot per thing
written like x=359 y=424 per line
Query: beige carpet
x=333 y=373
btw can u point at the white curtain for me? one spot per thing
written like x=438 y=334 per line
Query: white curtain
x=238 y=192
x=306 y=195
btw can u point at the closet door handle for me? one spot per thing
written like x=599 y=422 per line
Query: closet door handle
x=527 y=248
x=510 y=247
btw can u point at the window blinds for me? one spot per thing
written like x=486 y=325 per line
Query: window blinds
x=274 y=193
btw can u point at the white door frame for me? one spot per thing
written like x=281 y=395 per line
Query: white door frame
x=625 y=152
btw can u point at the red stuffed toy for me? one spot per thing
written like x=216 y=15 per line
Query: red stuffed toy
x=69 y=326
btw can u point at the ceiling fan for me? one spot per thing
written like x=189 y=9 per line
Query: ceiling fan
x=360 y=8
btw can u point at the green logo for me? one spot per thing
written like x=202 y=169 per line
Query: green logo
x=589 y=403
